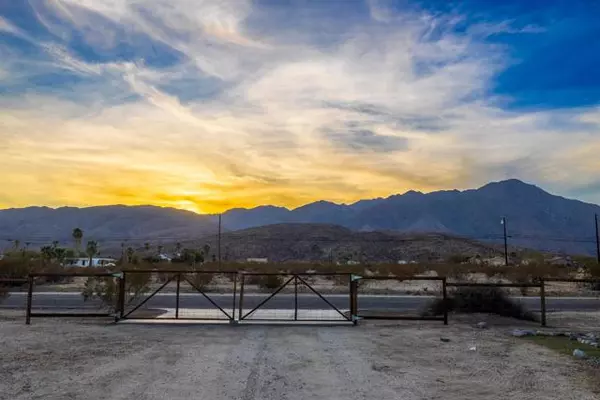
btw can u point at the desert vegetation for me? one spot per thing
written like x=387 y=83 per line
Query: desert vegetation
x=489 y=300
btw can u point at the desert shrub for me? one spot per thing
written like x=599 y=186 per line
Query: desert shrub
x=200 y=281
x=341 y=280
x=252 y=279
x=106 y=289
x=14 y=267
x=489 y=300
x=102 y=288
x=270 y=281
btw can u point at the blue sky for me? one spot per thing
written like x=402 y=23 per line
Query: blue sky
x=207 y=105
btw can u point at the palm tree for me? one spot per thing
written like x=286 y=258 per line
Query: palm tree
x=206 y=250
x=91 y=250
x=146 y=246
x=16 y=243
x=77 y=237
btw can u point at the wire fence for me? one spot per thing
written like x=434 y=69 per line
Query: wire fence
x=246 y=297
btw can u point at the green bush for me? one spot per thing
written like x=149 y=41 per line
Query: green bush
x=490 y=300
x=106 y=289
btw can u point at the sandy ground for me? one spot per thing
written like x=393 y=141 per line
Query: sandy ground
x=67 y=359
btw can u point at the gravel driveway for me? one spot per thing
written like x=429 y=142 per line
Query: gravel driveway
x=73 y=360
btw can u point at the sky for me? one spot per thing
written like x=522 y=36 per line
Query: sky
x=208 y=105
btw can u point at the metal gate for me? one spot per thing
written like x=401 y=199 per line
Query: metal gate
x=282 y=297
x=182 y=295
x=396 y=305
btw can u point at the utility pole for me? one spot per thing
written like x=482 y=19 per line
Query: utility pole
x=219 y=242
x=503 y=222
x=597 y=239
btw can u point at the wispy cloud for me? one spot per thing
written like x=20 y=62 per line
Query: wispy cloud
x=392 y=106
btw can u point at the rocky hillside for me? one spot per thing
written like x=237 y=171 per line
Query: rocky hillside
x=321 y=242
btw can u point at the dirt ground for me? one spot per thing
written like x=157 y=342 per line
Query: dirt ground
x=69 y=359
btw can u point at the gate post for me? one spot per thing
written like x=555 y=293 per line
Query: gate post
x=29 y=298
x=177 y=296
x=543 y=300
x=445 y=300
x=242 y=277
x=121 y=305
x=296 y=298
x=235 y=277
x=354 y=298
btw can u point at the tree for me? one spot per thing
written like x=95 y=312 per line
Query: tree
x=159 y=248
x=54 y=244
x=47 y=253
x=190 y=256
x=16 y=244
x=206 y=250
x=77 y=237
x=91 y=250
x=178 y=247
x=146 y=246
x=130 y=253
x=60 y=254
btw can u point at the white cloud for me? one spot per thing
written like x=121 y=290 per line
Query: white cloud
x=263 y=133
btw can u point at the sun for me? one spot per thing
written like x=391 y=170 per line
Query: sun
x=187 y=205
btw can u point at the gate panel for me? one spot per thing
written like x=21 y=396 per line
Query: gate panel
x=294 y=297
x=183 y=294
x=398 y=298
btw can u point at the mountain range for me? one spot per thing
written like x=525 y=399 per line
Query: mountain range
x=534 y=218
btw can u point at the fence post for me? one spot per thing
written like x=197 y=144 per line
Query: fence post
x=121 y=305
x=543 y=300
x=29 y=298
x=242 y=276
x=350 y=298
x=354 y=299
x=445 y=300
x=295 y=298
x=235 y=275
x=177 y=296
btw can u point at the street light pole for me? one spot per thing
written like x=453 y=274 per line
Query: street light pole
x=597 y=239
x=505 y=242
x=219 y=242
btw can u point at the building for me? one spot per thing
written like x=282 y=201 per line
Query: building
x=84 y=262
x=258 y=260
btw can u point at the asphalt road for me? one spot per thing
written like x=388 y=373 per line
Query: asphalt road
x=62 y=301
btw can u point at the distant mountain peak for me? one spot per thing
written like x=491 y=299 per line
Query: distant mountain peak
x=512 y=186
x=413 y=193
